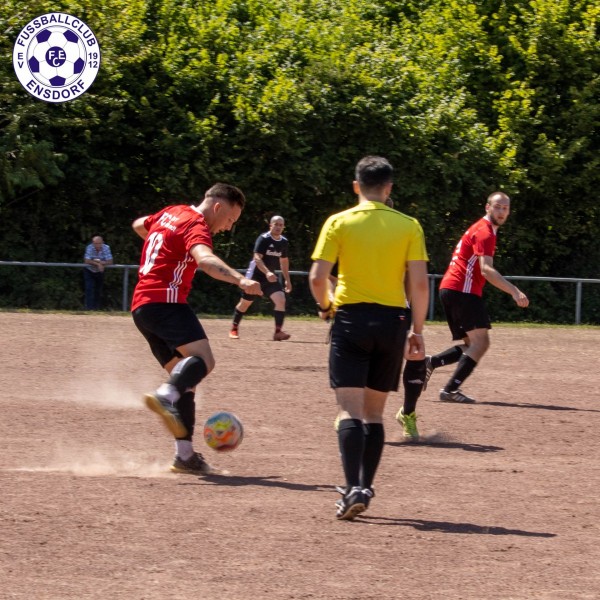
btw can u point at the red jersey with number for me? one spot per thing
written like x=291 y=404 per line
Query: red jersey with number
x=167 y=268
x=464 y=273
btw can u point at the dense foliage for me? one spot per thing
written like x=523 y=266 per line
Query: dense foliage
x=282 y=97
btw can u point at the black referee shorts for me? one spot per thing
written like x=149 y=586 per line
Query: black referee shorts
x=166 y=326
x=464 y=312
x=367 y=346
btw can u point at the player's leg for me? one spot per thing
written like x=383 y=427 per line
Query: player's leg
x=451 y=304
x=351 y=443
x=185 y=375
x=413 y=383
x=374 y=402
x=348 y=371
x=179 y=343
x=238 y=313
x=186 y=406
x=446 y=357
x=278 y=299
x=387 y=332
x=478 y=343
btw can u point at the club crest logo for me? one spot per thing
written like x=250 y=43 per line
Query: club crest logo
x=56 y=57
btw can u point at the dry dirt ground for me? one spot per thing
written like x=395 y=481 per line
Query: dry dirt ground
x=501 y=501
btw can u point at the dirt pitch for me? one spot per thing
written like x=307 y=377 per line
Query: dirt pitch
x=500 y=502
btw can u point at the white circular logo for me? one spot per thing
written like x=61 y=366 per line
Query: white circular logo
x=56 y=57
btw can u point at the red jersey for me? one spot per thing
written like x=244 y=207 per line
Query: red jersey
x=464 y=273
x=167 y=268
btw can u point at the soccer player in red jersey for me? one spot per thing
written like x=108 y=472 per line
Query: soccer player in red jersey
x=177 y=242
x=461 y=290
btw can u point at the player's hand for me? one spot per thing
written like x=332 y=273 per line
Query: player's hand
x=288 y=287
x=521 y=299
x=326 y=315
x=415 y=349
x=250 y=286
x=271 y=277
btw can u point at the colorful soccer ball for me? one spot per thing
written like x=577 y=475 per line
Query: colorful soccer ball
x=223 y=431
x=57 y=56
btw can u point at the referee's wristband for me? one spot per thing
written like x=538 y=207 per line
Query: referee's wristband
x=321 y=309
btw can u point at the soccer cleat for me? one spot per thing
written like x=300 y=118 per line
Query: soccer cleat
x=351 y=504
x=196 y=465
x=428 y=371
x=234 y=335
x=368 y=494
x=280 y=336
x=456 y=396
x=167 y=412
x=409 y=425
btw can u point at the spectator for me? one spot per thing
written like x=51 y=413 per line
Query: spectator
x=97 y=256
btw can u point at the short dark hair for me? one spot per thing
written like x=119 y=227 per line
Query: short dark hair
x=373 y=172
x=229 y=193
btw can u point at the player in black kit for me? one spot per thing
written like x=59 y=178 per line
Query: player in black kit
x=270 y=255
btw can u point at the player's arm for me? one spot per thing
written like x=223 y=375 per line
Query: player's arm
x=284 y=263
x=486 y=264
x=138 y=227
x=260 y=265
x=417 y=289
x=213 y=266
x=318 y=279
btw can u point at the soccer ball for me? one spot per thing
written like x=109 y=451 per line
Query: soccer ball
x=223 y=431
x=57 y=56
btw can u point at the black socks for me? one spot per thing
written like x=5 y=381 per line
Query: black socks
x=465 y=367
x=447 y=357
x=351 y=440
x=361 y=447
x=237 y=317
x=374 y=441
x=279 y=317
x=413 y=378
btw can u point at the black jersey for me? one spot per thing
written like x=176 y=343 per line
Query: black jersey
x=271 y=250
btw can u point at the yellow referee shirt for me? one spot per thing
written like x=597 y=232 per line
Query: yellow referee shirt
x=371 y=244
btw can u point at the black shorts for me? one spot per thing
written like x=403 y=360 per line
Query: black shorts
x=464 y=312
x=268 y=288
x=367 y=346
x=167 y=326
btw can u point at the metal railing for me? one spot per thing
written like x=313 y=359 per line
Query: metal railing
x=578 y=281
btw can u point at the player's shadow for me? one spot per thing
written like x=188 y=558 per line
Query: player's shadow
x=538 y=406
x=273 y=481
x=448 y=527
x=432 y=443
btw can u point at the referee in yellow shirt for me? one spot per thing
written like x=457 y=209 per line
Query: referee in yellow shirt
x=375 y=247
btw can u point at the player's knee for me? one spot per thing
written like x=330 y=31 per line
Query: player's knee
x=190 y=372
x=481 y=346
x=209 y=361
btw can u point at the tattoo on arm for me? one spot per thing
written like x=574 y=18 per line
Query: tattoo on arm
x=217 y=269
